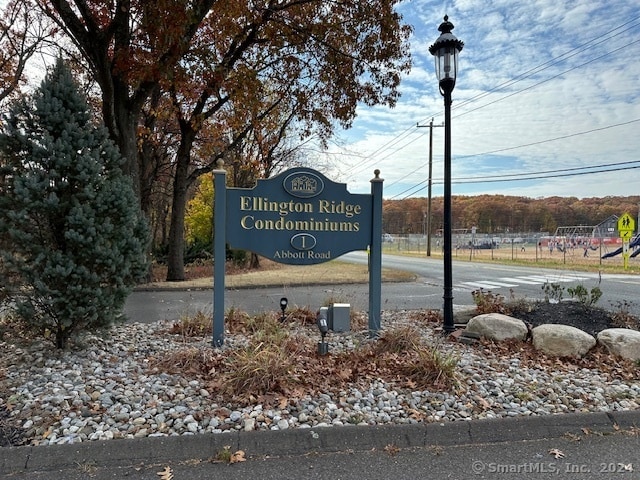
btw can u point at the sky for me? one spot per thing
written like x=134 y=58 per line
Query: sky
x=546 y=103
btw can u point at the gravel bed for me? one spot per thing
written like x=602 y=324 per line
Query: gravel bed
x=106 y=390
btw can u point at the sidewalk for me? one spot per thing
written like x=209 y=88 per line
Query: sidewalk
x=595 y=445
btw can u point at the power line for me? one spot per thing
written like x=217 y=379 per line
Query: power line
x=536 y=177
x=554 y=61
x=563 y=137
x=544 y=172
x=537 y=69
x=531 y=87
x=560 y=173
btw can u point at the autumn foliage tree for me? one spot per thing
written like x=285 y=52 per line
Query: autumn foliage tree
x=130 y=47
x=199 y=217
x=22 y=32
x=309 y=62
x=273 y=69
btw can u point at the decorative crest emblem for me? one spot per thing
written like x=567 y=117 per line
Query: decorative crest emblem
x=303 y=184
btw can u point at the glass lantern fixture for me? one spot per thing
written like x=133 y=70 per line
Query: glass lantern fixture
x=446 y=49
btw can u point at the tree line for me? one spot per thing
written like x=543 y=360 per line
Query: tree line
x=501 y=214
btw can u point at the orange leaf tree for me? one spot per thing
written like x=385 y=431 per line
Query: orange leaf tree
x=21 y=34
x=235 y=72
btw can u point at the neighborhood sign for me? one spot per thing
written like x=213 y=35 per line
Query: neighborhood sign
x=299 y=218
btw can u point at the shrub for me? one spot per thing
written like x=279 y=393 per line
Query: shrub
x=583 y=296
x=623 y=318
x=73 y=235
x=487 y=302
x=553 y=291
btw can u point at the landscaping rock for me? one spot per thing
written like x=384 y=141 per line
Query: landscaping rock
x=496 y=326
x=562 y=340
x=463 y=313
x=621 y=341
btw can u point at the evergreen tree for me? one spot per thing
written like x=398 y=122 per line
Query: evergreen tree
x=71 y=229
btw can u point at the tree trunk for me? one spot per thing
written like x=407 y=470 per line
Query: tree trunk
x=255 y=262
x=181 y=183
x=175 y=254
x=122 y=123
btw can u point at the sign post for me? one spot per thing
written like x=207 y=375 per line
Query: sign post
x=298 y=217
x=219 y=252
x=626 y=227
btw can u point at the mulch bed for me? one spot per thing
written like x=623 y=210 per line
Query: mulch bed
x=590 y=319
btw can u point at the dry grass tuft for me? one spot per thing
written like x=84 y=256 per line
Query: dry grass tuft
x=431 y=366
x=189 y=361
x=425 y=317
x=197 y=325
x=259 y=369
x=404 y=338
x=302 y=316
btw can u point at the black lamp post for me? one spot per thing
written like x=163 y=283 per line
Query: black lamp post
x=445 y=49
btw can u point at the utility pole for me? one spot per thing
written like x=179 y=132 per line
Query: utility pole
x=430 y=181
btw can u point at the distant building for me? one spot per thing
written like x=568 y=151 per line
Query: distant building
x=607 y=228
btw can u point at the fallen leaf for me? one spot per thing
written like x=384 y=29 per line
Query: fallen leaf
x=391 y=449
x=238 y=457
x=483 y=403
x=166 y=474
x=556 y=453
x=573 y=437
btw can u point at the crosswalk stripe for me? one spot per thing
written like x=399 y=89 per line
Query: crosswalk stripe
x=488 y=285
x=556 y=279
x=502 y=284
x=520 y=280
x=509 y=282
x=539 y=279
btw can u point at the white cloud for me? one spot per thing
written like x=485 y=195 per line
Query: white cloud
x=591 y=88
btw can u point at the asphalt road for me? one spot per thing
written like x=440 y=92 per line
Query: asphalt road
x=425 y=292
x=522 y=280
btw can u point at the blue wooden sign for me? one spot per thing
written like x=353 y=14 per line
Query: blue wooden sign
x=299 y=217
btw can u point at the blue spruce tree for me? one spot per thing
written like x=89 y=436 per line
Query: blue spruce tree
x=72 y=233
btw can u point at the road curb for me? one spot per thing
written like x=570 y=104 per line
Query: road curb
x=204 y=447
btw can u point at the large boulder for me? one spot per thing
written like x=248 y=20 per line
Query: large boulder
x=562 y=340
x=496 y=326
x=621 y=341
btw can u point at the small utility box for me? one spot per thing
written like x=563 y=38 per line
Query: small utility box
x=340 y=317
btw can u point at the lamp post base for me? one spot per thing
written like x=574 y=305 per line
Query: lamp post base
x=323 y=348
